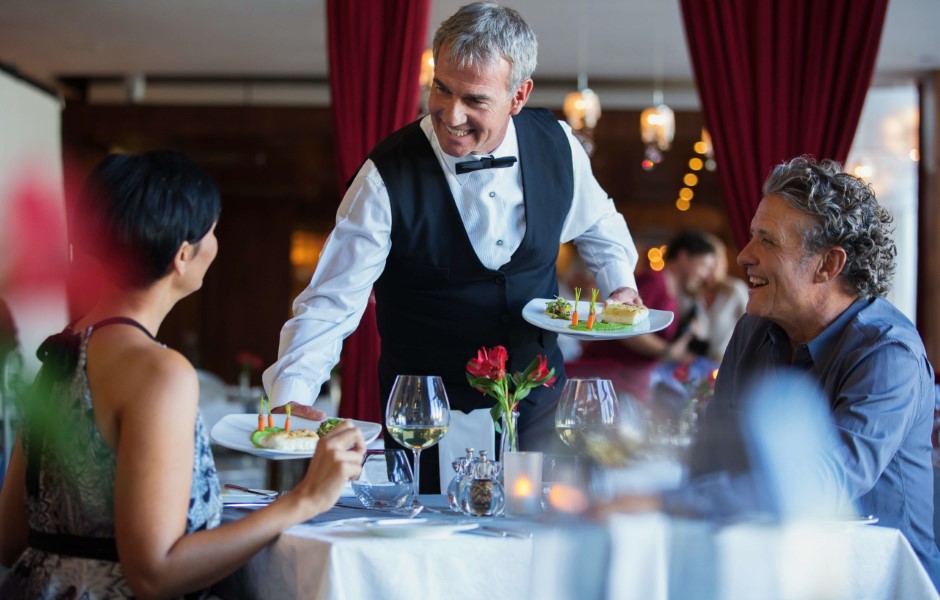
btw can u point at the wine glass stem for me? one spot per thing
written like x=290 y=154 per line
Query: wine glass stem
x=417 y=486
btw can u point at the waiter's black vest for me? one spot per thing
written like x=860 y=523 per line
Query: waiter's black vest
x=436 y=304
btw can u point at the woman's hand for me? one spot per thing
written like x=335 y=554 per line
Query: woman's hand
x=678 y=350
x=338 y=459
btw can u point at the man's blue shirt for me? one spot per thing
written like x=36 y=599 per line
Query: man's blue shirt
x=873 y=369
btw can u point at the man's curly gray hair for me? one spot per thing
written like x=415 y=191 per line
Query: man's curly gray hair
x=846 y=214
x=479 y=34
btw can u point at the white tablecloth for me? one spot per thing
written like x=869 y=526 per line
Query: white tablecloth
x=642 y=556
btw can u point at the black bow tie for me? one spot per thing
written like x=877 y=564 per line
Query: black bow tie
x=487 y=162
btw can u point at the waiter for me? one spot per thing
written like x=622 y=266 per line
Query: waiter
x=456 y=220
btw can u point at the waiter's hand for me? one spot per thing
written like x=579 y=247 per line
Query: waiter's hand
x=301 y=410
x=625 y=295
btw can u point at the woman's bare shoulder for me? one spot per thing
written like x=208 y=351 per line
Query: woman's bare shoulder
x=141 y=369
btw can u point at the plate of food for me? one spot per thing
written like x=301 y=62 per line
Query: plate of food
x=412 y=528
x=612 y=321
x=268 y=437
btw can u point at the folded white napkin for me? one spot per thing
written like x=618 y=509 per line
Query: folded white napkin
x=474 y=430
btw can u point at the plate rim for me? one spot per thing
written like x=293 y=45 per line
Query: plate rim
x=590 y=336
x=402 y=526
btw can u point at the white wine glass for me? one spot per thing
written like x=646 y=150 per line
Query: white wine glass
x=417 y=416
x=588 y=421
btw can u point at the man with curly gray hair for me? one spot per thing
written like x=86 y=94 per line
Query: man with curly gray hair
x=819 y=261
x=456 y=220
x=817 y=328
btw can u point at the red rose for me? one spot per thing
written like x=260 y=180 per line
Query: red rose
x=489 y=364
x=681 y=373
x=487 y=373
x=541 y=370
x=248 y=360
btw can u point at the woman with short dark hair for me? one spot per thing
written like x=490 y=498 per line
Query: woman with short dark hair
x=112 y=490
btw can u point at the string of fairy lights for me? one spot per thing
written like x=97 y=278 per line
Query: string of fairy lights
x=705 y=160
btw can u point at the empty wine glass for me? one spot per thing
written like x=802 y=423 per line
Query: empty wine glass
x=417 y=416
x=588 y=421
x=385 y=481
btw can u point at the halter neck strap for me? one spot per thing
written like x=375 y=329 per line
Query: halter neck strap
x=122 y=321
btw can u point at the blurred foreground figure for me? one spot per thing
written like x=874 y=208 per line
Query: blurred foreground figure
x=819 y=262
x=112 y=489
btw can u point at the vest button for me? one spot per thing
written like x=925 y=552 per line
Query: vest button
x=501 y=279
x=505 y=318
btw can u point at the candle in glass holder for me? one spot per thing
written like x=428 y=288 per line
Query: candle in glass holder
x=522 y=474
x=566 y=498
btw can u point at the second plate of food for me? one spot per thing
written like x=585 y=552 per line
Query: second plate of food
x=534 y=313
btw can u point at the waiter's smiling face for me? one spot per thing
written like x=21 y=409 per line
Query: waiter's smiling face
x=471 y=107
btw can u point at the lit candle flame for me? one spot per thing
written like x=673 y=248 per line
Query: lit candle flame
x=567 y=499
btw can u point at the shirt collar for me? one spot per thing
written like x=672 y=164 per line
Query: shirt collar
x=823 y=345
x=509 y=147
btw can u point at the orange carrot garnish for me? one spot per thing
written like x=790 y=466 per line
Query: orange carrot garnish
x=574 y=313
x=261 y=414
x=287 y=420
x=270 y=416
x=593 y=313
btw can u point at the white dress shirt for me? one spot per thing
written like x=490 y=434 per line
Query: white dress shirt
x=490 y=203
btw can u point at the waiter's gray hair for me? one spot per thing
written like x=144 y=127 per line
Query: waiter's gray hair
x=479 y=34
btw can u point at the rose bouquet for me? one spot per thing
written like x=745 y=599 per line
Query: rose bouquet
x=487 y=373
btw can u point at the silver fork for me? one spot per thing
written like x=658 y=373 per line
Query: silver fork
x=239 y=488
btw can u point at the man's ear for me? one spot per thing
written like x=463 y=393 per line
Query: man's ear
x=831 y=265
x=182 y=257
x=521 y=96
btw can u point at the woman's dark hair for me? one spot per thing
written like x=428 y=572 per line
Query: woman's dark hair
x=135 y=211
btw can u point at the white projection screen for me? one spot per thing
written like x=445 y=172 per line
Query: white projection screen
x=31 y=164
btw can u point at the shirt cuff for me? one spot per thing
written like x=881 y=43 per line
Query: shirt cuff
x=291 y=389
x=613 y=277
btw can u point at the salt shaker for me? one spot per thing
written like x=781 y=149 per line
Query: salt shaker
x=461 y=465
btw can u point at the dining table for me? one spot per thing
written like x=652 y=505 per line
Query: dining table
x=347 y=554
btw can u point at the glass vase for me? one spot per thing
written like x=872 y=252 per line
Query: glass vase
x=509 y=441
x=244 y=383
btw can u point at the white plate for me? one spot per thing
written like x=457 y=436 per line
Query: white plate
x=411 y=528
x=234 y=432
x=861 y=520
x=534 y=313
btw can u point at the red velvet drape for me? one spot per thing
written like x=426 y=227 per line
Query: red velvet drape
x=776 y=79
x=375 y=52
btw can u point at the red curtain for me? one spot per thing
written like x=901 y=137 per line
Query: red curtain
x=776 y=79
x=375 y=52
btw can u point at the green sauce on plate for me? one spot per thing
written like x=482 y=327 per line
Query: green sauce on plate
x=599 y=326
